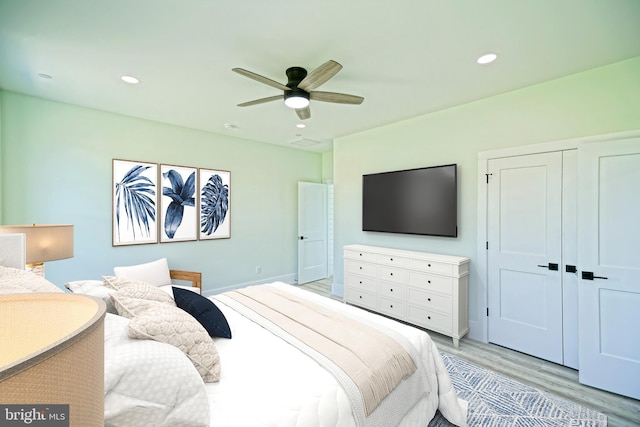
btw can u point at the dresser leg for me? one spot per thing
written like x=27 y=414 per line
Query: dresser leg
x=456 y=341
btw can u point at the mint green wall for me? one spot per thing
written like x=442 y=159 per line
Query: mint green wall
x=598 y=101
x=56 y=168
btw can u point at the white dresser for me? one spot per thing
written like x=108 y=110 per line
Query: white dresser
x=424 y=289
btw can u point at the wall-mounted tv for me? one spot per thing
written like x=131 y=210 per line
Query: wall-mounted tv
x=415 y=201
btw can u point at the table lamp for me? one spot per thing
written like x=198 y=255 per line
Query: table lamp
x=45 y=242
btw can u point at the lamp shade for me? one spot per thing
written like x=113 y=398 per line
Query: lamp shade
x=45 y=242
x=52 y=354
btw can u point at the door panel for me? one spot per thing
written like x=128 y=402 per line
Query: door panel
x=524 y=235
x=312 y=232
x=570 y=257
x=608 y=236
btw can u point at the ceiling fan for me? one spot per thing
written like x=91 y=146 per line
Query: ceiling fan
x=300 y=88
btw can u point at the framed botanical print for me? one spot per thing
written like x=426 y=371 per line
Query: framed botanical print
x=178 y=213
x=215 y=204
x=135 y=200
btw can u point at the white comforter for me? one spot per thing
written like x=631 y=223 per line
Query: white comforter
x=266 y=382
x=149 y=383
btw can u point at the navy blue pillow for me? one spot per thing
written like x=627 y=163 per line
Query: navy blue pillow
x=204 y=310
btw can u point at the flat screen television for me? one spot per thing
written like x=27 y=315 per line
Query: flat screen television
x=415 y=201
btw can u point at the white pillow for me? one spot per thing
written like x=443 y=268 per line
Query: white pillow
x=154 y=272
x=94 y=288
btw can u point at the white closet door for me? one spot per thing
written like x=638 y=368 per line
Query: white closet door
x=524 y=254
x=609 y=249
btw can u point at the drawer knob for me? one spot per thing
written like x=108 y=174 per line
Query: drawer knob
x=391 y=259
x=390 y=274
x=429 y=265
x=428 y=281
x=391 y=290
x=429 y=317
x=360 y=297
x=360 y=268
x=391 y=306
x=428 y=299
x=360 y=282
x=360 y=254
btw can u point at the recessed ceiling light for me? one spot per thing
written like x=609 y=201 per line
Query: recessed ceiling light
x=230 y=126
x=301 y=126
x=130 y=79
x=45 y=76
x=487 y=58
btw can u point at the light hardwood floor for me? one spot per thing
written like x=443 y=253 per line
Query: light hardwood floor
x=559 y=380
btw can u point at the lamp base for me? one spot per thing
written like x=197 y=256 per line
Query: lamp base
x=36 y=268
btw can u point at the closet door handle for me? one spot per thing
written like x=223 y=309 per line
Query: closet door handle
x=550 y=266
x=588 y=275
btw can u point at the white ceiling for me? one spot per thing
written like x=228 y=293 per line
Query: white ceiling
x=405 y=57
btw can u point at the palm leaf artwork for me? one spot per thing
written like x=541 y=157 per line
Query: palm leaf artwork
x=136 y=193
x=181 y=194
x=214 y=204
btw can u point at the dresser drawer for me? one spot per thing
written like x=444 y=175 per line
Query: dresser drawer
x=392 y=260
x=391 y=274
x=431 y=301
x=392 y=307
x=430 y=266
x=361 y=298
x=361 y=282
x=429 y=319
x=361 y=268
x=430 y=282
x=391 y=290
x=359 y=255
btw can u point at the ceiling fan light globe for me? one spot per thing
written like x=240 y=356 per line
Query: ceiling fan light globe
x=296 y=102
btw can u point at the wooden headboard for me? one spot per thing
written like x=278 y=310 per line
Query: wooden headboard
x=194 y=277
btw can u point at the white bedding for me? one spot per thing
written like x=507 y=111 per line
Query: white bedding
x=149 y=383
x=266 y=382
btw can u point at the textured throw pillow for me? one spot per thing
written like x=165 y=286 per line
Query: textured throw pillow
x=171 y=325
x=12 y=279
x=205 y=312
x=155 y=272
x=147 y=292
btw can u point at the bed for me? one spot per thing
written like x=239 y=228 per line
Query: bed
x=262 y=375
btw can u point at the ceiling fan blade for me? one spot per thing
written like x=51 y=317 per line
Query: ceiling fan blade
x=303 y=113
x=261 y=100
x=320 y=75
x=261 y=79
x=340 y=98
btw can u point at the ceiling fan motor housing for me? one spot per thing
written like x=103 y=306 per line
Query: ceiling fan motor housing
x=295 y=75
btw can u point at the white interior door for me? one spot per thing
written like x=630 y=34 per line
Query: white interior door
x=524 y=215
x=609 y=260
x=312 y=232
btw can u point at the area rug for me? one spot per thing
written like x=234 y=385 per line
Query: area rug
x=498 y=401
